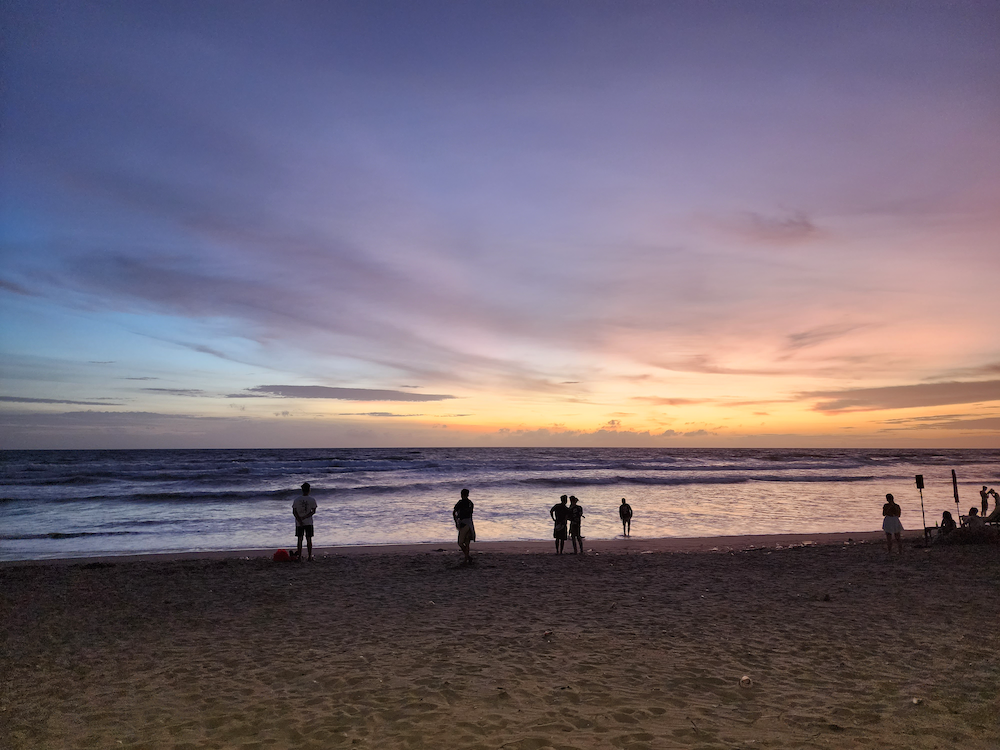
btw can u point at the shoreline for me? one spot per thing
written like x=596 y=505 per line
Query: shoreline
x=630 y=545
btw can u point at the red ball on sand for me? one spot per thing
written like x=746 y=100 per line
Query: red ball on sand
x=282 y=556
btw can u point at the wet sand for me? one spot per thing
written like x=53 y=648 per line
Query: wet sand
x=636 y=644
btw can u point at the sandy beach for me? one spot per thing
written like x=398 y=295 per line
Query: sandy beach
x=636 y=644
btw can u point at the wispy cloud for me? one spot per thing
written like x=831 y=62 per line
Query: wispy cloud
x=817 y=336
x=339 y=394
x=177 y=391
x=666 y=401
x=376 y=414
x=946 y=422
x=992 y=368
x=24 y=400
x=10 y=286
x=791 y=228
x=904 y=396
x=707 y=364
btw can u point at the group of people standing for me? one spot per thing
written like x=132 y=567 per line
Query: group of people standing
x=562 y=514
x=567 y=520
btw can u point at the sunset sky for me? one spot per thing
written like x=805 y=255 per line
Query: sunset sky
x=332 y=224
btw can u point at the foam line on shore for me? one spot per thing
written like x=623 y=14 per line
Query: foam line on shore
x=630 y=545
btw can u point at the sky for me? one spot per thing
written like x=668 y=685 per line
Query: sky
x=365 y=224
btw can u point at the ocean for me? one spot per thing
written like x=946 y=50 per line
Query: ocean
x=58 y=504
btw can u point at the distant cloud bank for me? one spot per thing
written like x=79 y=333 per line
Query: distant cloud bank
x=339 y=394
x=906 y=396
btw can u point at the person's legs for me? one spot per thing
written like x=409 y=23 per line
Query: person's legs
x=899 y=543
x=888 y=541
x=299 y=530
x=465 y=542
x=309 y=542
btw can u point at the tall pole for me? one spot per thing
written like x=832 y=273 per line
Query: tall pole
x=920 y=486
x=954 y=486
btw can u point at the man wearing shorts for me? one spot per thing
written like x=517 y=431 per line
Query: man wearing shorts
x=625 y=513
x=560 y=517
x=304 y=508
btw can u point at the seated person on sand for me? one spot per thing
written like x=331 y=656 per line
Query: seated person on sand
x=948 y=524
x=974 y=521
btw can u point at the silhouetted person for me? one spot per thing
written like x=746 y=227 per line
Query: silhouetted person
x=948 y=524
x=985 y=496
x=974 y=520
x=462 y=513
x=891 y=524
x=560 y=515
x=625 y=513
x=575 y=516
x=995 y=515
x=304 y=508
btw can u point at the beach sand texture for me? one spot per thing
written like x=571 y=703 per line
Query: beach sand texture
x=845 y=647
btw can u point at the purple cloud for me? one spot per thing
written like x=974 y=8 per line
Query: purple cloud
x=23 y=400
x=341 y=394
x=904 y=396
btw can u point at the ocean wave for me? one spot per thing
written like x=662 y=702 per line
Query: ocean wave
x=65 y=535
x=565 y=481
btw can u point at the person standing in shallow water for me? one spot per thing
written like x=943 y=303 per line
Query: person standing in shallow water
x=304 y=508
x=625 y=513
x=891 y=524
x=560 y=515
x=575 y=518
x=462 y=515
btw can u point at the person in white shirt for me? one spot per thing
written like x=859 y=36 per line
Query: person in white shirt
x=304 y=508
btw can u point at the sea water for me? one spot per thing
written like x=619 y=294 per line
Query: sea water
x=82 y=503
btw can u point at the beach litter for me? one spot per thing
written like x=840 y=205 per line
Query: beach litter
x=746 y=682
